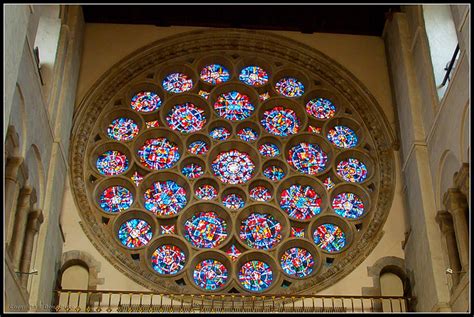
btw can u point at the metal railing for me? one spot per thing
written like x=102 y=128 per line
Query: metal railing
x=72 y=300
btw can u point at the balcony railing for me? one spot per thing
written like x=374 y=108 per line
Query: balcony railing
x=72 y=300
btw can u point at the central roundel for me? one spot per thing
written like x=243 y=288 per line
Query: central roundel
x=233 y=167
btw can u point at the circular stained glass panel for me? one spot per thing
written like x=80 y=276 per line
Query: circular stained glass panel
x=348 y=205
x=274 y=173
x=342 y=137
x=214 y=74
x=186 y=118
x=158 y=154
x=165 y=198
x=135 y=233
x=321 y=108
x=168 y=259
x=290 y=87
x=300 y=202
x=352 y=170
x=145 y=101
x=177 y=83
x=198 y=148
x=307 y=158
x=112 y=163
x=297 y=262
x=269 y=150
x=329 y=238
x=280 y=121
x=219 y=133
x=234 y=106
x=253 y=76
x=255 y=276
x=206 y=192
x=205 y=230
x=192 y=171
x=233 y=167
x=210 y=274
x=260 y=231
x=233 y=201
x=122 y=129
x=260 y=193
x=247 y=134
x=115 y=199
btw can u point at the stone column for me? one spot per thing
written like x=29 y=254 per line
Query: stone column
x=22 y=210
x=11 y=191
x=456 y=204
x=444 y=219
x=461 y=179
x=35 y=219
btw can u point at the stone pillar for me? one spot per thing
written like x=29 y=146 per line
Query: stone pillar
x=11 y=191
x=35 y=219
x=461 y=179
x=23 y=208
x=456 y=204
x=444 y=219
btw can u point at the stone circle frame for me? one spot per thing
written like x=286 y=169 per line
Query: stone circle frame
x=281 y=55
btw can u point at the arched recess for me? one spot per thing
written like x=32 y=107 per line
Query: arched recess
x=84 y=259
x=36 y=172
x=448 y=166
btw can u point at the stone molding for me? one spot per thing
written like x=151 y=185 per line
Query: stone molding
x=76 y=257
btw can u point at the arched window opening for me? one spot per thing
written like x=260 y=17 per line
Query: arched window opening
x=390 y=285
x=75 y=277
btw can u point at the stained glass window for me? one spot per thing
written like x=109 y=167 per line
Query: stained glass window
x=233 y=252
x=186 y=118
x=177 y=83
x=204 y=94
x=253 y=76
x=234 y=106
x=255 y=276
x=247 y=134
x=342 y=137
x=205 y=230
x=210 y=274
x=215 y=74
x=115 y=199
x=136 y=178
x=297 y=232
x=269 y=150
x=152 y=124
x=260 y=193
x=219 y=133
x=112 y=163
x=328 y=183
x=198 y=148
x=135 y=233
x=192 y=171
x=307 y=158
x=165 y=198
x=300 y=202
x=145 y=101
x=168 y=259
x=122 y=129
x=329 y=237
x=274 y=173
x=352 y=170
x=233 y=167
x=260 y=231
x=316 y=130
x=170 y=229
x=280 y=121
x=348 y=205
x=206 y=192
x=233 y=201
x=321 y=108
x=158 y=154
x=290 y=87
x=297 y=262
x=264 y=96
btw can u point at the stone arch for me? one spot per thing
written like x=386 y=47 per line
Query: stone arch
x=388 y=264
x=23 y=133
x=36 y=172
x=85 y=260
x=448 y=166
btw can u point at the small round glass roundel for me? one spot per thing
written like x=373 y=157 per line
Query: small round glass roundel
x=253 y=76
x=300 y=202
x=115 y=199
x=122 y=129
x=234 y=106
x=219 y=133
x=247 y=134
x=329 y=238
x=348 y=205
x=280 y=121
x=274 y=173
x=297 y=262
x=214 y=74
x=186 y=118
x=269 y=150
x=192 y=171
x=165 y=198
x=135 y=233
x=205 y=230
x=145 y=101
x=177 y=83
x=307 y=158
x=260 y=193
x=210 y=274
x=168 y=259
x=260 y=231
x=233 y=167
x=112 y=163
x=320 y=108
x=206 y=192
x=290 y=87
x=255 y=276
x=198 y=148
x=352 y=170
x=342 y=137
x=158 y=154
x=233 y=201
